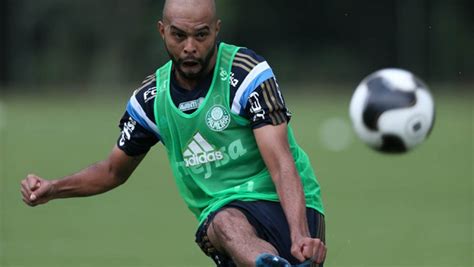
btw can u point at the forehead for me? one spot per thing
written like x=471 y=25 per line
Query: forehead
x=188 y=17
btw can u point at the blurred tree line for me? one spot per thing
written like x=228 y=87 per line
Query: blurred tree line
x=108 y=43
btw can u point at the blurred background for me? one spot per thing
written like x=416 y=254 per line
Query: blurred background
x=67 y=69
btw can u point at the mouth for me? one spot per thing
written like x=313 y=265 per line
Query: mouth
x=190 y=63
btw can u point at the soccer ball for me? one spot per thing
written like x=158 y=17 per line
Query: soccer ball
x=392 y=110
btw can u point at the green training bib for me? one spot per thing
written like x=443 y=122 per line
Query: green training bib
x=213 y=153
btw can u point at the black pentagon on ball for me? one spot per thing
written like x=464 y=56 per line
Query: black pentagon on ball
x=392 y=144
x=383 y=96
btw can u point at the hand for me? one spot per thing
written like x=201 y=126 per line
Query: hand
x=36 y=190
x=309 y=248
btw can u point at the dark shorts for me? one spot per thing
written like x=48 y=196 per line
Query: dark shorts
x=270 y=224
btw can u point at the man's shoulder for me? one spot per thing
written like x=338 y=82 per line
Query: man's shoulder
x=246 y=66
x=146 y=92
x=247 y=59
x=141 y=104
x=249 y=71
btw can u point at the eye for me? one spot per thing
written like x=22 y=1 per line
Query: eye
x=178 y=35
x=202 y=35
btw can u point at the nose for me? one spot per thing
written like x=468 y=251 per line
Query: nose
x=190 y=46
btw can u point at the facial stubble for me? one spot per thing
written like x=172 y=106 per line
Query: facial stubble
x=177 y=62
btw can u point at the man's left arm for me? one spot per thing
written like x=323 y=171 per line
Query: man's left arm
x=272 y=141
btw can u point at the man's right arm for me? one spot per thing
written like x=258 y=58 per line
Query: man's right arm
x=139 y=134
x=95 y=179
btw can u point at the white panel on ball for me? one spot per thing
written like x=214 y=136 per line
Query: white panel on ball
x=356 y=107
x=401 y=79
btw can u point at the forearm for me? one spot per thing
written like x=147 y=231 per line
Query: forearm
x=276 y=152
x=292 y=198
x=95 y=179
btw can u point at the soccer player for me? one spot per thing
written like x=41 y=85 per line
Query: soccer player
x=218 y=111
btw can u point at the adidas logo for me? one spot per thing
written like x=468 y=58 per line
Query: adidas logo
x=199 y=151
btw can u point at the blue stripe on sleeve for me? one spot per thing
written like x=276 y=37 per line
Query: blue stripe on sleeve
x=136 y=116
x=262 y=77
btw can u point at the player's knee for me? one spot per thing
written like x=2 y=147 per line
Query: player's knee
x=226 y=220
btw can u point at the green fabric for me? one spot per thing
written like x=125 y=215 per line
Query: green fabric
x=213 y=153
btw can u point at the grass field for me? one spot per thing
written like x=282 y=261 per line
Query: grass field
x=406 y=210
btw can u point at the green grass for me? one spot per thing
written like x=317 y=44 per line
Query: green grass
x=404 y=210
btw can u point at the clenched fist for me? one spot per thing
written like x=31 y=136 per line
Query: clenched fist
x=36 y=190
x=309 y=248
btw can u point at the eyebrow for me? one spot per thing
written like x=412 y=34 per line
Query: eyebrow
x=174 y=28
x=203 y=28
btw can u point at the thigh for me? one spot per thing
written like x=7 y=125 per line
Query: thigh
x=229 y=239
x=269 y=221
x=202 y=239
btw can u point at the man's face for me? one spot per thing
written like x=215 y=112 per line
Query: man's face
x=190 y=40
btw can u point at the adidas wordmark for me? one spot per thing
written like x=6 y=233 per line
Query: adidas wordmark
x=199 y=151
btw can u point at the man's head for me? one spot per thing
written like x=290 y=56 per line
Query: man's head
x=189 y=29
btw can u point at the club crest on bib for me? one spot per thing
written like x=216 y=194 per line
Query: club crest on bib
x=217 y=118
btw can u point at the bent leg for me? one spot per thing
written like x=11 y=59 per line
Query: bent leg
x=231 y=233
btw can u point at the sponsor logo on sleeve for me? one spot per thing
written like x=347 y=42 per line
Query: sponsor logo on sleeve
x=149 y=94
x=127 y=130
x=255 y=107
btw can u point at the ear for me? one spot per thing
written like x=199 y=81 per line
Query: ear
x=218 y=26
x=161 y=28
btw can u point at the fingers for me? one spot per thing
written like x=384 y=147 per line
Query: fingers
x=31 y=189
x=316 y=251
x=25 y=194
x=322 y=253
x=310 y=248
x=25 y=189
x=319 y=251
x=297 y=252
x=41 y=192
x=33 y=181
x=26 y=197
